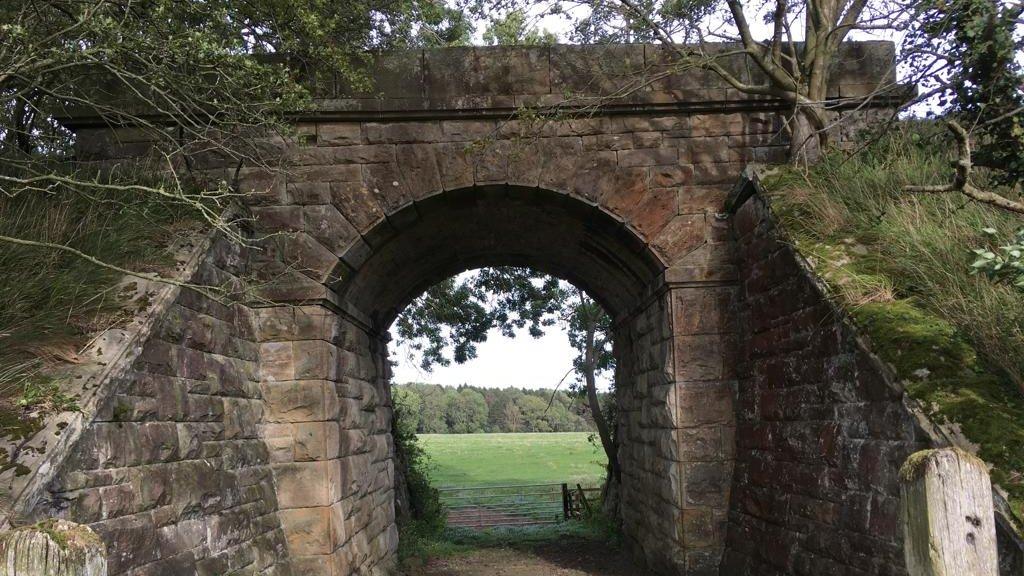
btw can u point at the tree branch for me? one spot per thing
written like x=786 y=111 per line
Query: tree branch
x=207 y=290
x=961 y=178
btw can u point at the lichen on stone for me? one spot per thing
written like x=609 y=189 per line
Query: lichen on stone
x=66 y=535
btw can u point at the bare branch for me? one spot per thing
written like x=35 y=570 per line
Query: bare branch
x=961 y=178
x=211 y=291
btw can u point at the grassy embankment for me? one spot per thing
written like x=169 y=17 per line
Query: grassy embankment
x=51 y=302
x=901 y=264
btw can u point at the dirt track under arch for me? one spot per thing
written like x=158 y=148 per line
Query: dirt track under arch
x=571 y=558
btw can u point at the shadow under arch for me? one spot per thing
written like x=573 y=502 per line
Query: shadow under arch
x=499 y=225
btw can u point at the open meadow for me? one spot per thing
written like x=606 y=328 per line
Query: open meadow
x=522 y=458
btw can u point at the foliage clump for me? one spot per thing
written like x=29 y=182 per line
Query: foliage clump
x=424 y=519
x=1002 y=263
x=902 y=265
x=436 y=409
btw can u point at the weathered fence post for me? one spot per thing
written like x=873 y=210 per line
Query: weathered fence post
x=566 y=505
x=948 y=519
x=52 y=548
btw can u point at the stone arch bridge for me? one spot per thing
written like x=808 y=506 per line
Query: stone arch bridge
x=758 y=435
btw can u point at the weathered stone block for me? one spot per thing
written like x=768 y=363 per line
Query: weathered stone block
x=303 y=484
x=648 y=157
x=704 y=357
x=705 y=403
x=703 y=310
x=327 y=225
x=682 y=235
x=338 y=133
x=298 y=401
x=308 y=531
x=402 y=132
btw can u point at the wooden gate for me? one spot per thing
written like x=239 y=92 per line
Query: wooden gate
x=515 y=505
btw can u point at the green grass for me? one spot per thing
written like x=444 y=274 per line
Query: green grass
x=458 y=541
x=501 y=459
x=900 y=262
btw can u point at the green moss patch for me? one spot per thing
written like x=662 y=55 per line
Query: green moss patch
x=919 y=345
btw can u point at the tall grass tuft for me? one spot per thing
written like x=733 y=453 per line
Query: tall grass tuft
x=919 y=242
x=50 y=300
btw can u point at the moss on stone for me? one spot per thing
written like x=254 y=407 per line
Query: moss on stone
x=938 y=366
x=944 y=373
x=917 y=344
x=51 y=529
x=955 y=340
x=845 y=272
x=66 y=535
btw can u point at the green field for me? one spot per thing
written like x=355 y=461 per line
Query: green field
x=500 y=459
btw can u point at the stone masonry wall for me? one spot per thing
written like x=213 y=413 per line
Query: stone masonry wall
x=676 y=392
x=646 y=402
x=174 y=473
x=821 y=433
x=328 y=422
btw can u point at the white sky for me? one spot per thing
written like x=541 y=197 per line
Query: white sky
x=521 y=362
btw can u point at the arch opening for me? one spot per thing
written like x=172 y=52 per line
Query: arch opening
x=486 y=420
x=452 y=232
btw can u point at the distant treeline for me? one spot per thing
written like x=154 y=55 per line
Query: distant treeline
x=435 y=409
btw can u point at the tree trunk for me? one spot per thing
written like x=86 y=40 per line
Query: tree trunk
x=403 y=498
x=807 y=135
x=602 y=425
x=603 y=430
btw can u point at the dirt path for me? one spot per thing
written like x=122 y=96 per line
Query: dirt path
x=575 y=558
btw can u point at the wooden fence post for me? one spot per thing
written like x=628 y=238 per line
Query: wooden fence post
x=52 y=548
x=947 y=514
x=566 y=503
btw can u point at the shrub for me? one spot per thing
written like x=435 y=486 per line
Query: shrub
x=425 y=519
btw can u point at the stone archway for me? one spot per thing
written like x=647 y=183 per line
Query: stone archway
x=673 y=430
